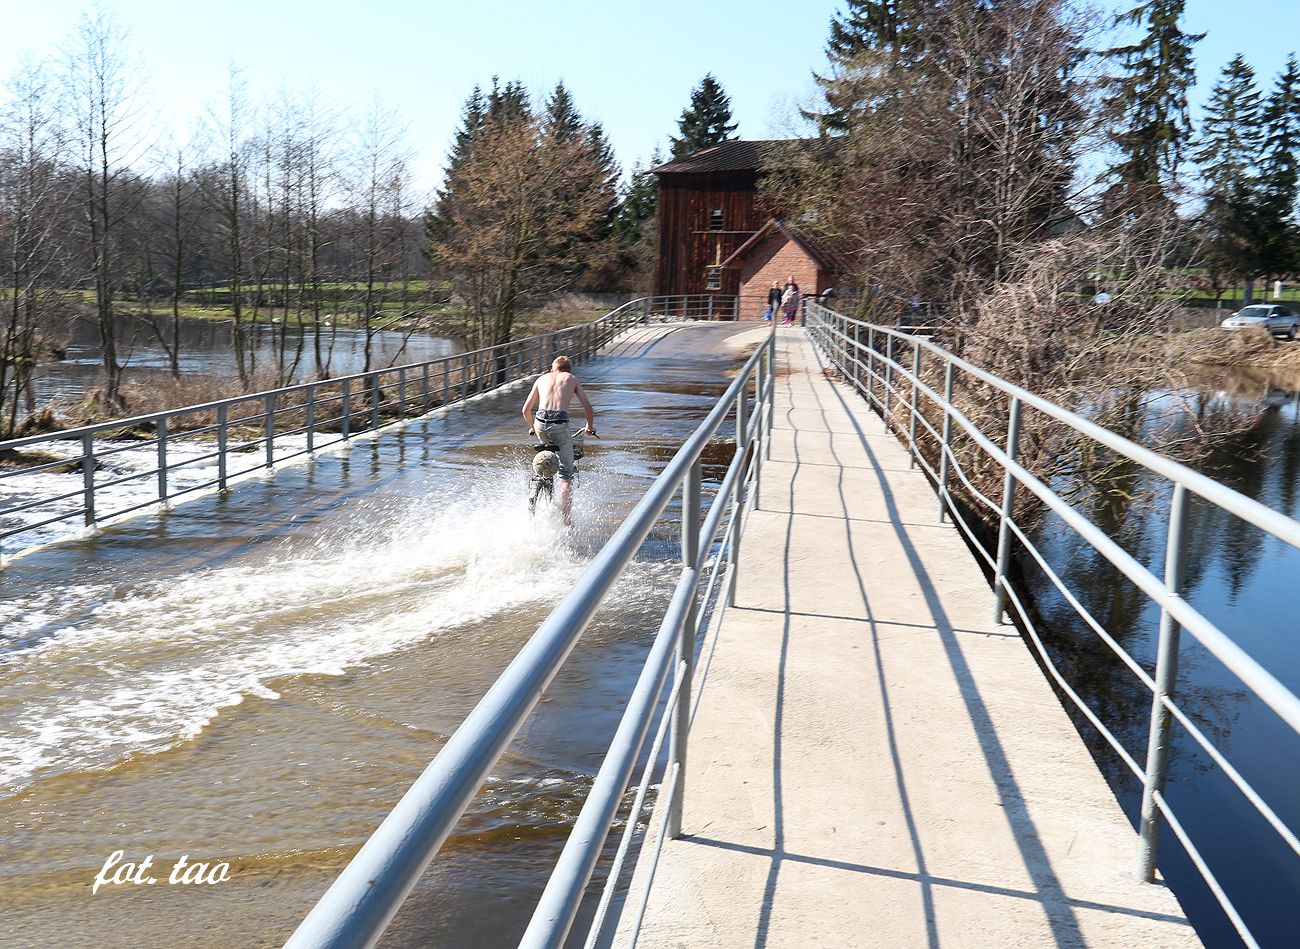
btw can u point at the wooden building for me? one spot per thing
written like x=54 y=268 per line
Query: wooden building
x=709 y=210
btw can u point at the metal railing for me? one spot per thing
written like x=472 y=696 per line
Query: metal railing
x=369 y=891
x=890 y=369
x=174 y=455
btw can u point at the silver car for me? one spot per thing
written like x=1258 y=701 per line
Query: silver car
x=1278 y=320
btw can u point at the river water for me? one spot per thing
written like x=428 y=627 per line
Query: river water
x=1246 y=583
x=256 y=679
x=206 y=350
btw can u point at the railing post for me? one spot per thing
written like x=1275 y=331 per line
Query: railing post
x=310 y=421
x=162 y=458
x=889 y=383
x=738 y=496
x=424 y=390
x=1166 y=683
x=446 y=382
x=857 y=357
x=916 y=382
x=681 y=725
x=88 y=476
x=1008 y=505
x=758 y=432
x=871 y=365
x=947 y=441
x=345 y=405
x=374 y=401
x=710 y=311
x=269 y=425
x=464 y=379
x=401 y=392
x=221 y=446
x=771 y=386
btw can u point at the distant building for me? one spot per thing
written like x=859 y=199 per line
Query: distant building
x=715 y=236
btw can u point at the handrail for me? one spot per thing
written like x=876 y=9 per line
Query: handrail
x=366 y=402
x=367 y=894
x=873 y=357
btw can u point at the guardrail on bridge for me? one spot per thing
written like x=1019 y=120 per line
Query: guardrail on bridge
x=899 y=373
x=366 y=896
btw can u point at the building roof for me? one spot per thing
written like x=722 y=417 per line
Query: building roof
x=736 y=155
x=825 y=257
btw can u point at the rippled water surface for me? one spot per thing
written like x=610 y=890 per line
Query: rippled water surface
x=257 y=678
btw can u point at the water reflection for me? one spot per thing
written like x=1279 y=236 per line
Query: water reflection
x=1242 y=580
x=206 y=349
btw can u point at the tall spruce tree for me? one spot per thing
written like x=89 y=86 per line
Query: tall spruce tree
x=499 y=106
x=706 y=121
x=562 y=117
x=1151 y=95
x=865 y=27
x=1227 y=151
x=639 y=203
x=1278 y=185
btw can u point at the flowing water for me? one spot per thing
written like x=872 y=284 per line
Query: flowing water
x=255 y=679
x=206 y=349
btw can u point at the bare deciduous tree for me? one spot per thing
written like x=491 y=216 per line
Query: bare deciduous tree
x=106 y=104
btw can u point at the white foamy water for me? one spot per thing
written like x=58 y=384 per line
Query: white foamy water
x=142 y=670
x=187 y=468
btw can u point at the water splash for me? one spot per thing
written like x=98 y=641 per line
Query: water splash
x=149 y=667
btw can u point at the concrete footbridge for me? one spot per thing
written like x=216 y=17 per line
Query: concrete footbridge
x=782 y=685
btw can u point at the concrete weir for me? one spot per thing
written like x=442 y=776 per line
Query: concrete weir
x=873 y=761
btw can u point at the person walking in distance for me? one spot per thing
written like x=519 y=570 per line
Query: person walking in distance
x=546 y=410
x=789 y=302
x=774 y=299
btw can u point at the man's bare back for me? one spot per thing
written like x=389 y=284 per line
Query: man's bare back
x=554 y=391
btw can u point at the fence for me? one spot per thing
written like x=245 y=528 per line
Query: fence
x=890 y=368
x=198 y=448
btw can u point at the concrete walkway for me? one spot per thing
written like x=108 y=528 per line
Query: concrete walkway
x=874 y=762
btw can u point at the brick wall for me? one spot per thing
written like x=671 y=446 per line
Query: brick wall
x=775 y=259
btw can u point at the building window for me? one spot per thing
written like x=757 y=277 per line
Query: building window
x=715 y=220
x=714 y=279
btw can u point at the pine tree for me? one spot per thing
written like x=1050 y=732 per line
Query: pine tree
x=1151 y=93
x=1227 y=149
x=866 y=26
x=1279 y=176
x=706 y=121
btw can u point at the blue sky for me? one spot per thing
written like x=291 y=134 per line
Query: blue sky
x=629 y=65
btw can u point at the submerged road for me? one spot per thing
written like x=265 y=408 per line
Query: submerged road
x=255 y=678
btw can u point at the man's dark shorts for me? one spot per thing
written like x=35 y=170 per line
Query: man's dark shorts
x=552 y=430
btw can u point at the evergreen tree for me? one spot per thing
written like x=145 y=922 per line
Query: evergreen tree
x=865 y=27
x=1228 y=147
x=1279 y=176
x=706 y=121
x=502 y=106
x=1151 y=95
x=638 y=204
x=562 y=118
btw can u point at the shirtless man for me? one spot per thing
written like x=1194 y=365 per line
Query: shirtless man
x=550 y=398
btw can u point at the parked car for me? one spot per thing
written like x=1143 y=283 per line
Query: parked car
x=1278 y=320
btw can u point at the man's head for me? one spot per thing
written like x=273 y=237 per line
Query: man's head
x=561 y=364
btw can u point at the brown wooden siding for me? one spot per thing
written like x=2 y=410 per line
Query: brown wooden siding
x=687 y=247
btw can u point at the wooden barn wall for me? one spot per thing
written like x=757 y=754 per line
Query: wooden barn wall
x=686 y=248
